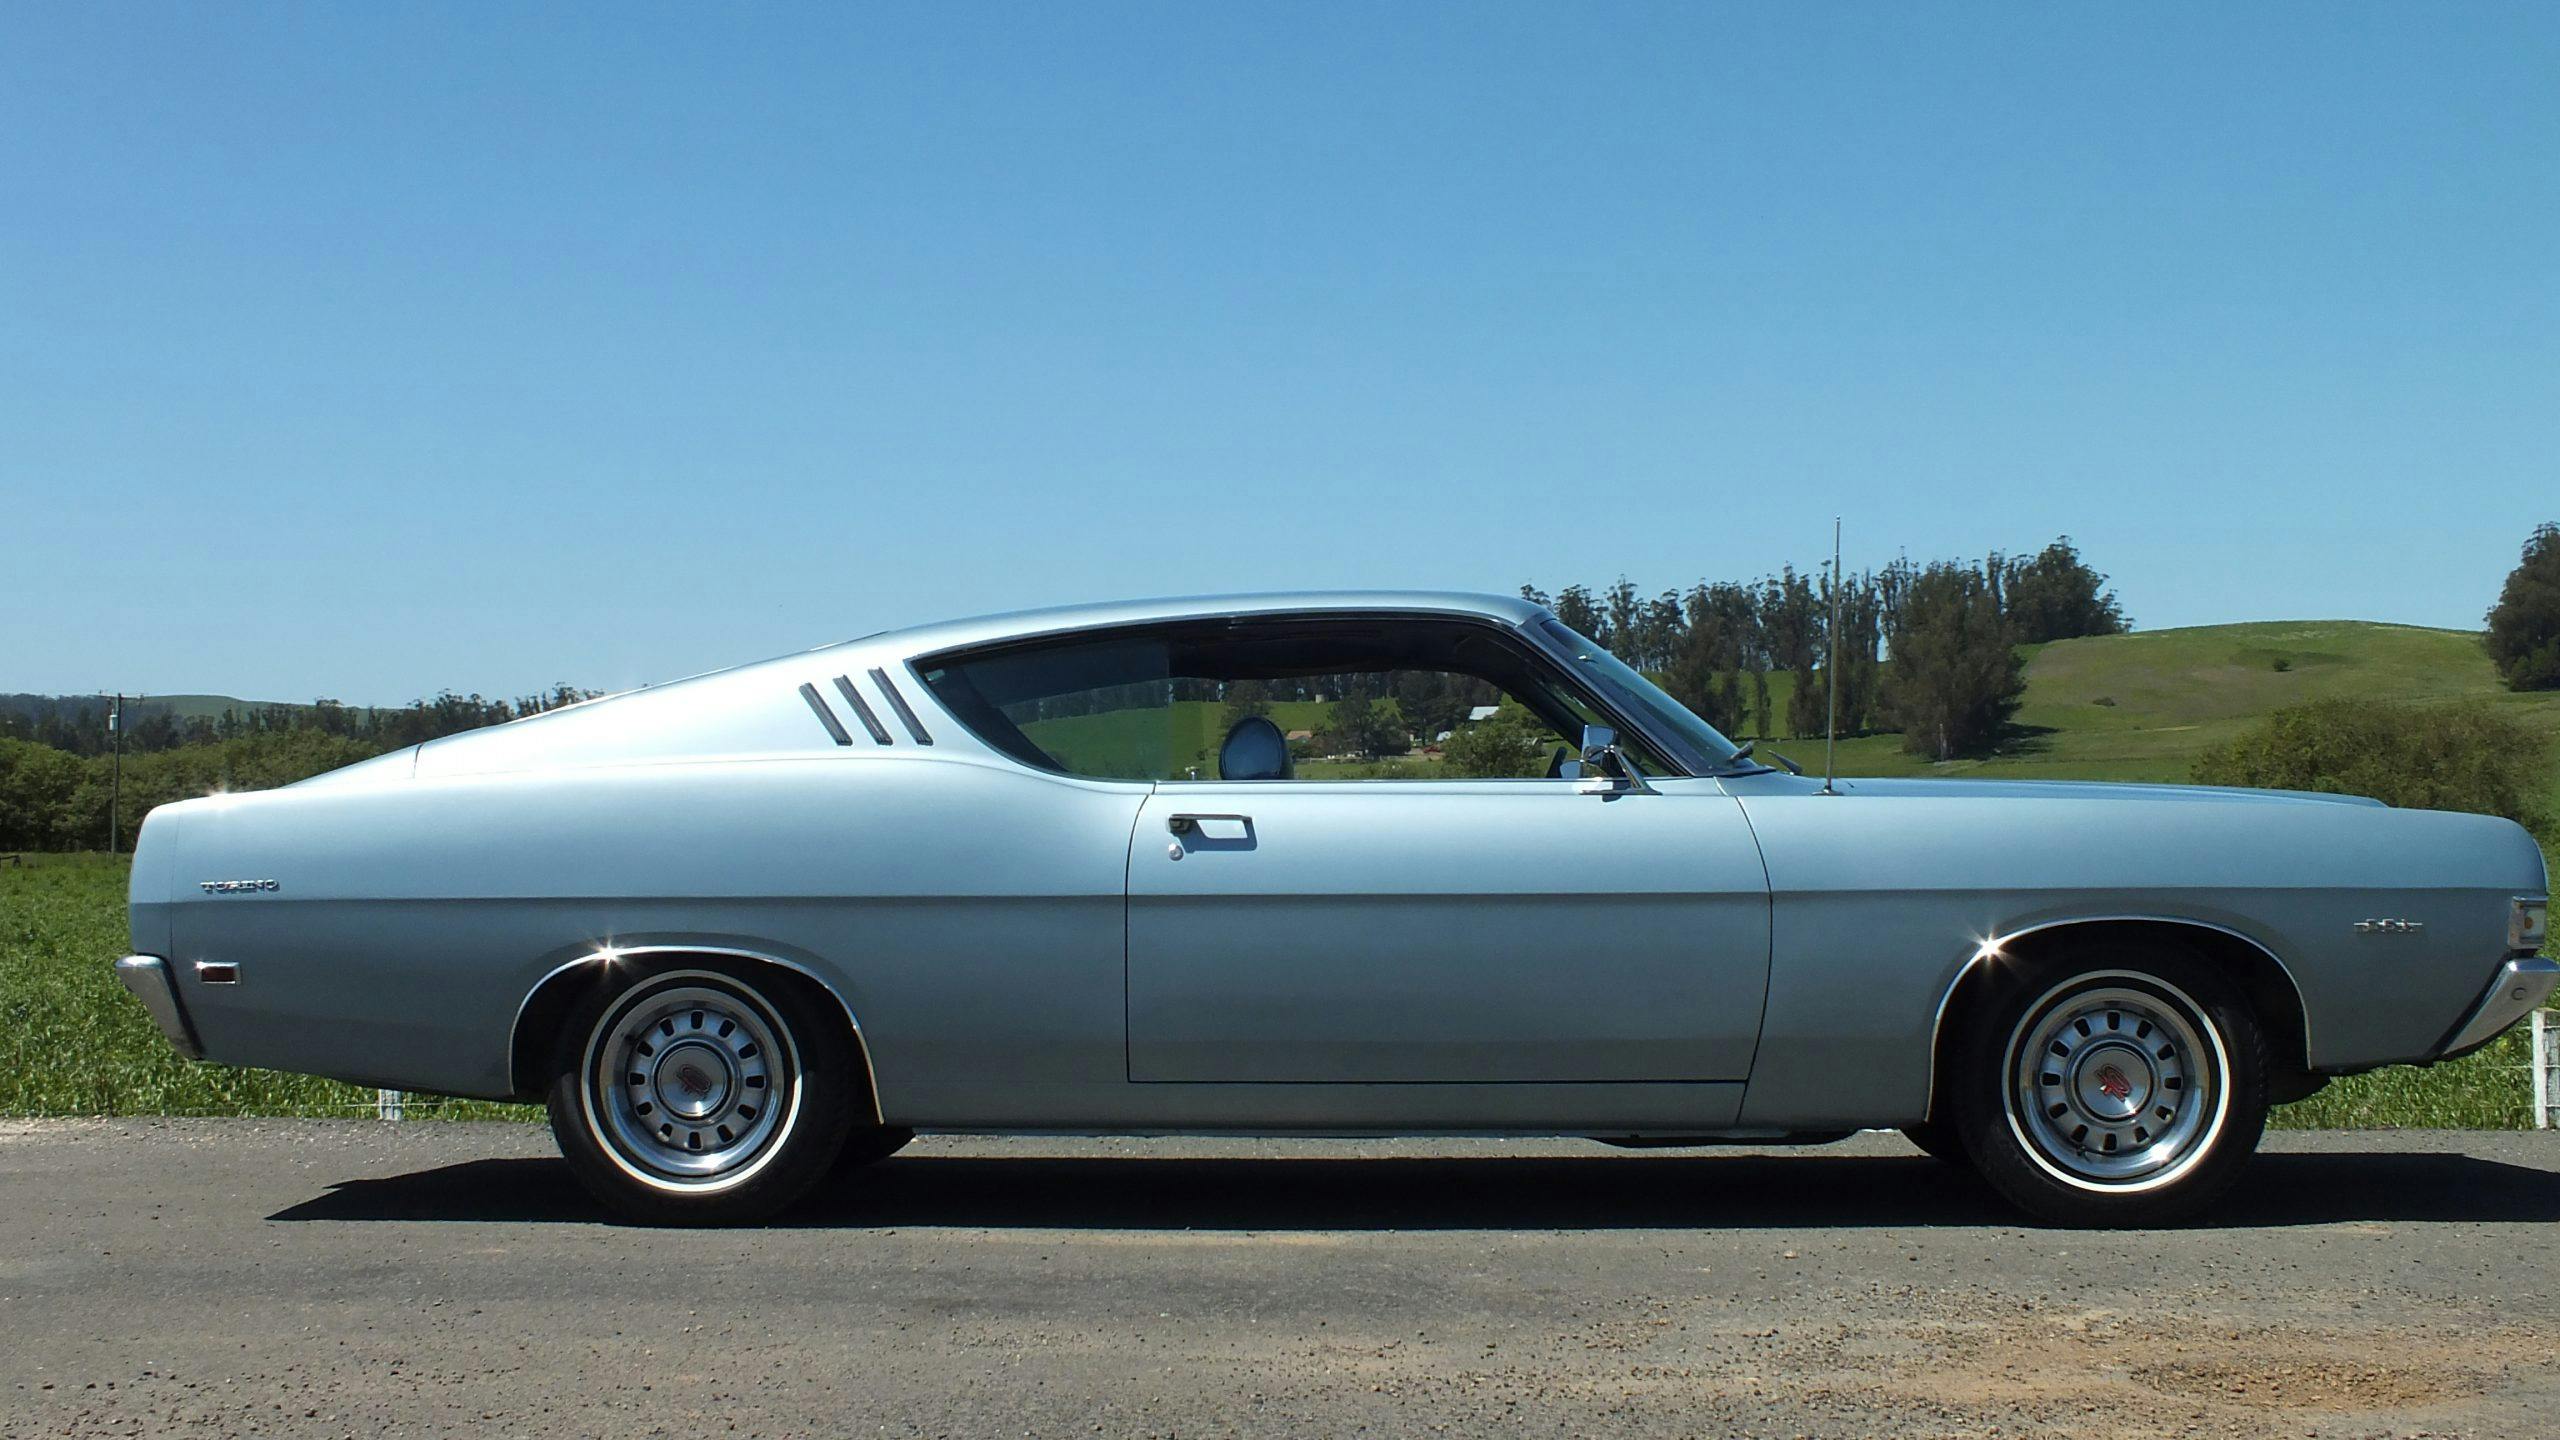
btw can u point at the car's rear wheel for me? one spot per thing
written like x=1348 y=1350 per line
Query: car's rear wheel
x=2120 y=1085
x=701 y=1096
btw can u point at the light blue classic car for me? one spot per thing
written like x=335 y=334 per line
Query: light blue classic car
x=1142 y=867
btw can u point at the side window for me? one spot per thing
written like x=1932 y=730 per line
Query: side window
x=1384 y=725
x=1354 y=698
x=1102 y=709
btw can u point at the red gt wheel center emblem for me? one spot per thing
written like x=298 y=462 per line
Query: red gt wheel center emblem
x=2112 y=1082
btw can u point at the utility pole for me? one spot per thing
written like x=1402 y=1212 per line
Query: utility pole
x=115 y=780
x=1831 y=670
x=115 y=784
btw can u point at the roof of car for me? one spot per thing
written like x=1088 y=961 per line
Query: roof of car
x=1062 y=619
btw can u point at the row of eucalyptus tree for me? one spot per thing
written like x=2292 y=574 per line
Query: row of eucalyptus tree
x=1928 y=650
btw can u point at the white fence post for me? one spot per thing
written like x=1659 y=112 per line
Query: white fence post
x=2543 y=1061
x=386 y=1103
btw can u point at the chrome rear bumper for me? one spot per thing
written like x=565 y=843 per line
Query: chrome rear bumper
x=2522 y=984
x=147 y=976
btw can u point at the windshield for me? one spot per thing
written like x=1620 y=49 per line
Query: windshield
x=1627 y=687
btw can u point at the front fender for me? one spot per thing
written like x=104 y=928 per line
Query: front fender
x=1880 y=900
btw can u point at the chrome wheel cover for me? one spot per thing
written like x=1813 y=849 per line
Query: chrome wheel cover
x=2116 y=1083
x=691 y=1083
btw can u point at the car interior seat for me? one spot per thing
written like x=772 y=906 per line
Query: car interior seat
x=1254 y=750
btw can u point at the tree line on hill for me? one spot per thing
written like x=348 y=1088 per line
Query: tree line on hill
x=1930 y=651
x=77 y=724
x=1927 y=650
x=63 y=788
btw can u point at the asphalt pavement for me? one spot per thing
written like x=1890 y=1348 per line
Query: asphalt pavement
x=288 y=1278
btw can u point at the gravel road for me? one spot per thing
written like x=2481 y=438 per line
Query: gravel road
x=352 y=1279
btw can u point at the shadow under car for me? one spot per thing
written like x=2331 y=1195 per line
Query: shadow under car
x=1317 y=1193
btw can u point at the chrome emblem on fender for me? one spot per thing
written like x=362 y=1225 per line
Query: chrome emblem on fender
x=237 y=887
x=2390 y=927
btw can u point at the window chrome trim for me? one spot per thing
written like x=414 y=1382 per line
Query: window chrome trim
x=1684 y=757
x=1682 y=763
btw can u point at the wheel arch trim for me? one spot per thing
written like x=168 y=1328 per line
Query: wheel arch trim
x=608 y=954
x=1993 y=948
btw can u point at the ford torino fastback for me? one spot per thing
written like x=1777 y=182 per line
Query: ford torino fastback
x=1142 y=867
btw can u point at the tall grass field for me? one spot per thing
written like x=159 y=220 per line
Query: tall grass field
x=2119 y=707
x=72 y=1042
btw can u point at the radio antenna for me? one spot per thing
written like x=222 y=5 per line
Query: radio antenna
x=1831 y=669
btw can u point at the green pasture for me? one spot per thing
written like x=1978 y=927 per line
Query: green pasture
x=73 y=1043
x=2123 y=707
x=2145 y=706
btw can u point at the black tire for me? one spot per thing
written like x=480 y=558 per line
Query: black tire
x=868 y=1145
x=2146 y=1096
x=1938 y=1141
x=728 y=1095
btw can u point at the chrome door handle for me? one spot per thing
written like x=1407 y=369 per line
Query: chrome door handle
x=1186 y=824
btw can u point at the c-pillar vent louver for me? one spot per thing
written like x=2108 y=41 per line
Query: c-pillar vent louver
x=870 y=722
x=826 y=717
x=897 y=702
x=862 y=711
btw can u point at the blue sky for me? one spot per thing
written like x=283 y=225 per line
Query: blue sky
x=363 y=350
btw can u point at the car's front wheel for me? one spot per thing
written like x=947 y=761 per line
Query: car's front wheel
x=2119 y=1085
x=701 y=1096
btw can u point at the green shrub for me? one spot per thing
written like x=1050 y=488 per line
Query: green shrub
x=39 y=787
x=2465 y=756
x=1508 y=746
x=53 y=800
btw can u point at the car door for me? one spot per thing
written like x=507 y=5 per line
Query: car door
x=1444 y=931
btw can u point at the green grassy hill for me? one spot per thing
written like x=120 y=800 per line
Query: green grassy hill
x=2144 y=706
x=211 y=707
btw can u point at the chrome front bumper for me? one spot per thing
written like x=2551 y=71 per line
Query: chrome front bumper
x=2522 y=984
x=147 y=976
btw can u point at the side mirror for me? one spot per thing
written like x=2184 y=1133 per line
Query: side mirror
x=1604 y=769
x=1597 y=743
